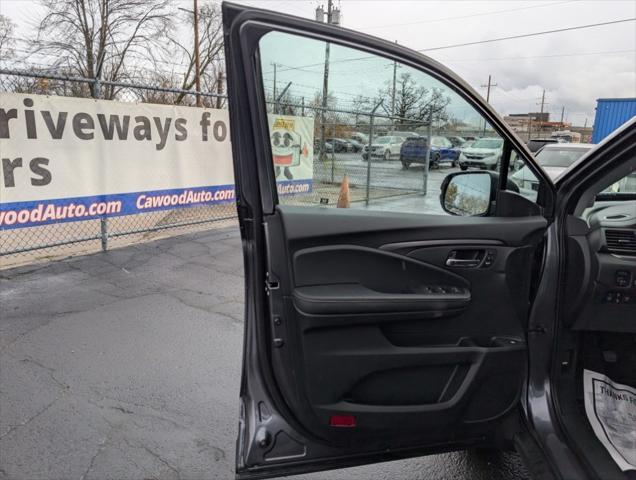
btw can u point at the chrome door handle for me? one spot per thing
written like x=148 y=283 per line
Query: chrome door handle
x=464 y=263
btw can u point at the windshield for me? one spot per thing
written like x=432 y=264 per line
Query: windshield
x=559 y=157
x=383 y=140
x=488 y=143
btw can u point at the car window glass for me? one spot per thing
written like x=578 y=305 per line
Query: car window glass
x=315 y=91
x=627 y=184
x=521 y=179
x=560 y=156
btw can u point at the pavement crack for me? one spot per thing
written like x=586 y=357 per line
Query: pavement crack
x=26 y=422
x=163 y=461
x=91 y=464
x=50 y=370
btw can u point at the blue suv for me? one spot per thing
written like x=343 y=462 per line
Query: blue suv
x=414 y=151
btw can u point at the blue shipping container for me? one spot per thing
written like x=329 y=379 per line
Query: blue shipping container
x=611 y=113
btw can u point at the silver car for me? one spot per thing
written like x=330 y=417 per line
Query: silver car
x=554 y=158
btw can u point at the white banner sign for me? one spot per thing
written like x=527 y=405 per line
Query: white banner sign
x=68 y=159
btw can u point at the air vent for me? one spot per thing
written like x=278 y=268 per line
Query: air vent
x=620 y=241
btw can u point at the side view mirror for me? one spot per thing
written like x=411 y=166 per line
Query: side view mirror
x=469 y=193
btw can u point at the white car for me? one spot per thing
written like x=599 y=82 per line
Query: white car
x=484 y=153
x=554 y=158
x=385 y=147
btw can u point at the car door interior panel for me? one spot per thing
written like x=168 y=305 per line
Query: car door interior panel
x=372 y=334
x=397 y=321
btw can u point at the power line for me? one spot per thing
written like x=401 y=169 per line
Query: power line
x=526 y=35
x=443 y=19
x=558 y=55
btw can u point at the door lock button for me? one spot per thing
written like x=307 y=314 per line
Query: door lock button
x=489 y=259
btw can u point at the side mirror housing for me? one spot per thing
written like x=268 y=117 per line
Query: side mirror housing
x=469 y=193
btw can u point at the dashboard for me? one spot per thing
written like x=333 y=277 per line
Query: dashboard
x=601 y=285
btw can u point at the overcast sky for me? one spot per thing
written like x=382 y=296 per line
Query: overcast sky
x=565 y=64
x=575 y=68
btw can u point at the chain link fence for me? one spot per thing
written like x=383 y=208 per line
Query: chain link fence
x=24 y=245
x=343 y=138
x=341 y=150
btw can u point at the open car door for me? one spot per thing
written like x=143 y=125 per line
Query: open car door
x=391 y=328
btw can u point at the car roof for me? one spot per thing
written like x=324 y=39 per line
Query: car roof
x=557 y=146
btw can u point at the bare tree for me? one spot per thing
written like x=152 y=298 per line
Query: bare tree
x=415 y=103
x=103 y=39
x=211 y=69
x=7 y=27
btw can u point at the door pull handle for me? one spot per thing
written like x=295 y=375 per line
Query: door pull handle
x=463 y=263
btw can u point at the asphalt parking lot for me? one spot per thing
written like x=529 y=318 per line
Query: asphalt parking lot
x=391 y=186
x=125 y=365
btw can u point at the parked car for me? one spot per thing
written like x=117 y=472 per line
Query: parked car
x=484 y=153
x=360 y=137
x=554 y=158
x=536 y=144
x=384 y=147
x=357 y=146
x=328 y=146
x=414 y=150
x=404 y=134
x=467 y=144
x=340 y=145
x=372 y=334
x=457 y=142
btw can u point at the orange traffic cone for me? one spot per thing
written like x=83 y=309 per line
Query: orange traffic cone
x=343 y=198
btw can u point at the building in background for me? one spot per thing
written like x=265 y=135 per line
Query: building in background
x=534 y=124
x=611 y=113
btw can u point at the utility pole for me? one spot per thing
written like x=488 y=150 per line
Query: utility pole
x=333 y=17
x=325 y=88
x=274 y=96
x=395 y=66
x=197 y=64
x=543 y=104
x=542 y=101
x=278 y=99
x=488 y=86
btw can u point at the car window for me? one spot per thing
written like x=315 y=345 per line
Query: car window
x=490 y=143
x=522 y=179
x=626 y=184
x=359 y=94
x=559 y=157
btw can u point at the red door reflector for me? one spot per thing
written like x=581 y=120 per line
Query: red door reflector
x=342 y=421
